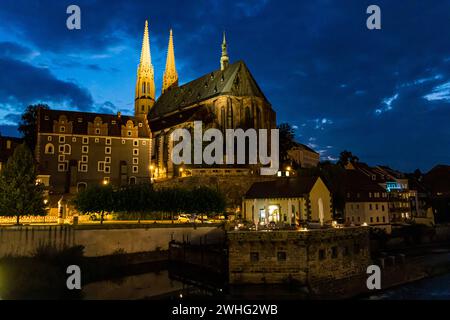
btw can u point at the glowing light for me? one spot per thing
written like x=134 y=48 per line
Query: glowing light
x=288 y=168
x=181 y=169
x=105 y=182
x=365 y=224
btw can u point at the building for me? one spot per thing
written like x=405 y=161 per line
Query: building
x=438 y=182
x=303 y=156
x=226 y=98
x=305 y=257
x=292 y=201
x=78 y=149
x=407 y=199
x=366 y=202
x=7 y=147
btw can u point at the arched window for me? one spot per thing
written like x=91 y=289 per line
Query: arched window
x=143 y=87
x=81 y=186
x=230 y=116
x=222 y=117
x=67 y=149
x=248 y=118
x=49 y=148
x=132 y=180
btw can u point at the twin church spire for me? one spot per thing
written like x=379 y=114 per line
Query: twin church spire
x=145 y=85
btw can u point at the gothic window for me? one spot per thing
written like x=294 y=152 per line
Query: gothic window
x=230 y=116
x=222 y=117
x=67 y=149
x=143 y=88
x=248 y=117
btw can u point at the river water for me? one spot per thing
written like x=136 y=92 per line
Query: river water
x=162 y=285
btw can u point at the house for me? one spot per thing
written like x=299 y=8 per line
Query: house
x=303 y=156
x=290 y=201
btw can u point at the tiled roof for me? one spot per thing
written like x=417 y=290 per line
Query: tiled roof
x=235 y=80
x=281 y=188
x=48 y=116
x=358 y=186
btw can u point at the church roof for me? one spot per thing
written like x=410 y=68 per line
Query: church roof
x=235 y=80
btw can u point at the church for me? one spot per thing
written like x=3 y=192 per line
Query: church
x=226 y=98
x=78 y=149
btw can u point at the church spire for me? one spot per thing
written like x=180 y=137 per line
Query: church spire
x=170 y=78
x=145 y=84
x=224 y=60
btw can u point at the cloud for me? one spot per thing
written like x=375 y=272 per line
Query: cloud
x=386 y=104
x=22 y=84
x=16 y=51
x=441 y=92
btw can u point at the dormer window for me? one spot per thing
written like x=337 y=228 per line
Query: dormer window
x=97 y=131
x=62 y=129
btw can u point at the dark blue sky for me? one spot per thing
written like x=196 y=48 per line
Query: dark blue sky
x=384 y=94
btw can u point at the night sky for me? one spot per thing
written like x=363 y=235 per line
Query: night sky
x=382 y=94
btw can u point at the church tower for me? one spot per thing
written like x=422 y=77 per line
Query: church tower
x=170 y=74
x=145 y=84
x=224 y=60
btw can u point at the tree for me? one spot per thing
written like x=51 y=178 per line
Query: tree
x=28 y=124
x=287 y=142
x=347 y=157
x=96 y=198
x=20 y=195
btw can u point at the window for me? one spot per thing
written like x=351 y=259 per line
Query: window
x=132 y=180
x=61 y=167
x=49 y=148
x=85 y=140
x=370 y=194
x=136 y=143
x=108 y=141
x=144 y=142
x=97 y=140
x=321 y=254
x=61 y=148
x=135 y=160
x=97 y=131
x=140 y=124
x=49 y=138
x=281 y=256
x=81 y=186
x=359 y=219
x=382 y=207
x=84 y=159
x=62 y=129
x=46 y=118
x=101 y=166
x=135 y=169
x=254 y=256
x=108 y=150
x=113 y=122
x=377 y=194
x=129 y=133
x=85 y=149
x=107 y=169
x=371 y=219
x=74 y=139
x=67 y=149
x=61 y=158
x=378 y=219
x=135 y=152
x=83 y=167
x=376 y=206
x=107 y=159
x=384 y=219
x=80 y=120
x=62 y=139
x=334 y=252
x=370 y=206
x=123 y=141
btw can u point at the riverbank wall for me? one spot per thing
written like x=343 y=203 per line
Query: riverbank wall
x=25 y=241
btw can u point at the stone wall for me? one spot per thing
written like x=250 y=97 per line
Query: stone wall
x=305 y=256
x=233 y=187
x=24 y=241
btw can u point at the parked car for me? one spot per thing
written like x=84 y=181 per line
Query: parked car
x=184 y=218
x=202 y=218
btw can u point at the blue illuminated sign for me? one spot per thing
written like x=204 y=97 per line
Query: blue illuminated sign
x=393 y=186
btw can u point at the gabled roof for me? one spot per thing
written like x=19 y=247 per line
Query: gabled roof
x=235 y=80
x=48 y=116
x=303 y=146
x=282 y=188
